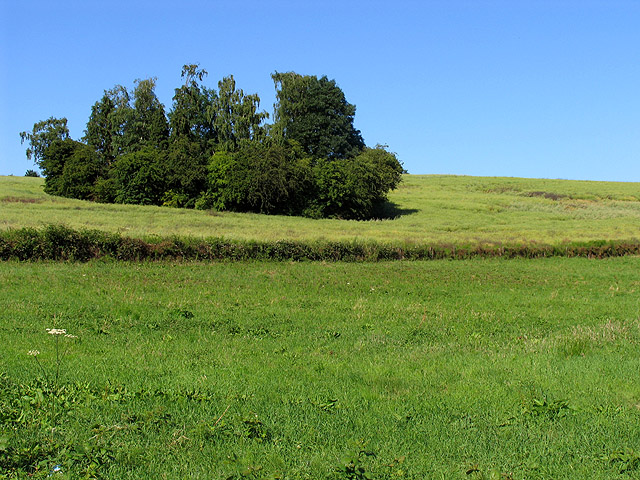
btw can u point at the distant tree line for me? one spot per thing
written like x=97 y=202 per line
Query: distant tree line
x=214 y=150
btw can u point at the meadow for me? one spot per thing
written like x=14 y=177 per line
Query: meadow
x=425 y=209
x=487 y=368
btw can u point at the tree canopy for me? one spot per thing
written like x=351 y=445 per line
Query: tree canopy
x=214 y=149
x=315 y=113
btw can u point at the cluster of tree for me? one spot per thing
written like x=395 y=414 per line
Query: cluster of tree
x=214 y=150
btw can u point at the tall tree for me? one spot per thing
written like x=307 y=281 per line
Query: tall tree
x=53 y=160
x=191 y=114
x=315 y=113
x=109 y=124
x=148 y=125
x=99 y=132
x=139 y=178
x=235 y=116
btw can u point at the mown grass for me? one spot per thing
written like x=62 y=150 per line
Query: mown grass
x=425 y=209
x=446 y=369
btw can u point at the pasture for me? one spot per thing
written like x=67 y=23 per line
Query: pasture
x=469 y=369
x=489 y=368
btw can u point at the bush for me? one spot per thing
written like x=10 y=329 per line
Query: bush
x=261 y=178
x=80 y=173
x=139 y=178
x=355 y=188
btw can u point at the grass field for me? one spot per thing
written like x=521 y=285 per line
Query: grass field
x=426 y=209
x=505 y=369
x=469 y=369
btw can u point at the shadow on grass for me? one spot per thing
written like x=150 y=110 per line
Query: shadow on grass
x=390 y=211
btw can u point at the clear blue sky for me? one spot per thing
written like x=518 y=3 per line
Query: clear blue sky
x=535 y=88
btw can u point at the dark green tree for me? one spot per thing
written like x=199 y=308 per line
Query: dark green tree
x=100 y=132
x=185 y=173
x=108 y=129
x=315 y=113
x=80 y=173
x=192 y=139
x=355 y=188
x=139 y=178
x=52 y=162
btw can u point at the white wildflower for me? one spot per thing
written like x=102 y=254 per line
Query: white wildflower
x=56 y=331
x=68 y=335
x=33 y=353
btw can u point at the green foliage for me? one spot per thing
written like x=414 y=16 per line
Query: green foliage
x=185 y=170
x=236 y=116
x=355 y=188
x=214 y=151
x=57 y=242
x=109 y=127
x=53 y=161
x=315 y=113
x=190 y=117
x=31 y=173
x=352 y=466
x=259 y=177
x=80 y=173
x=139 y=178
x=101 y=128
x=43 y=134
x=105 y=190
x=148 y=125
x=626 y=460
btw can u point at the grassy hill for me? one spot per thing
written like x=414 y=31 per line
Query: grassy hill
x=425 y=209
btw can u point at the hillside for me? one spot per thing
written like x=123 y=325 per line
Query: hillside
x=425 y=209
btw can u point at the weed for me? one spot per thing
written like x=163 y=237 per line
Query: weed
x=352 y=464
x=329 y=406
x=546 y=407
x=57 y=333
x=626 y=460
x=255 y=429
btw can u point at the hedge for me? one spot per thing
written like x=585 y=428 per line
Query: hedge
x=61 y=243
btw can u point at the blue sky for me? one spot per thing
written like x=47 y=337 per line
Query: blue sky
x=536 y=88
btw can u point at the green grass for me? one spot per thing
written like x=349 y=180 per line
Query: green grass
x=468 y=369
x=427 y=209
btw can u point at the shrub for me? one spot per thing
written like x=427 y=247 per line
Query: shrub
x=139 y=178
x=355 y=188
x=261 y=178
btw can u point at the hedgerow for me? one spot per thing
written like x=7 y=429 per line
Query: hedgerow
x=61 y=243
